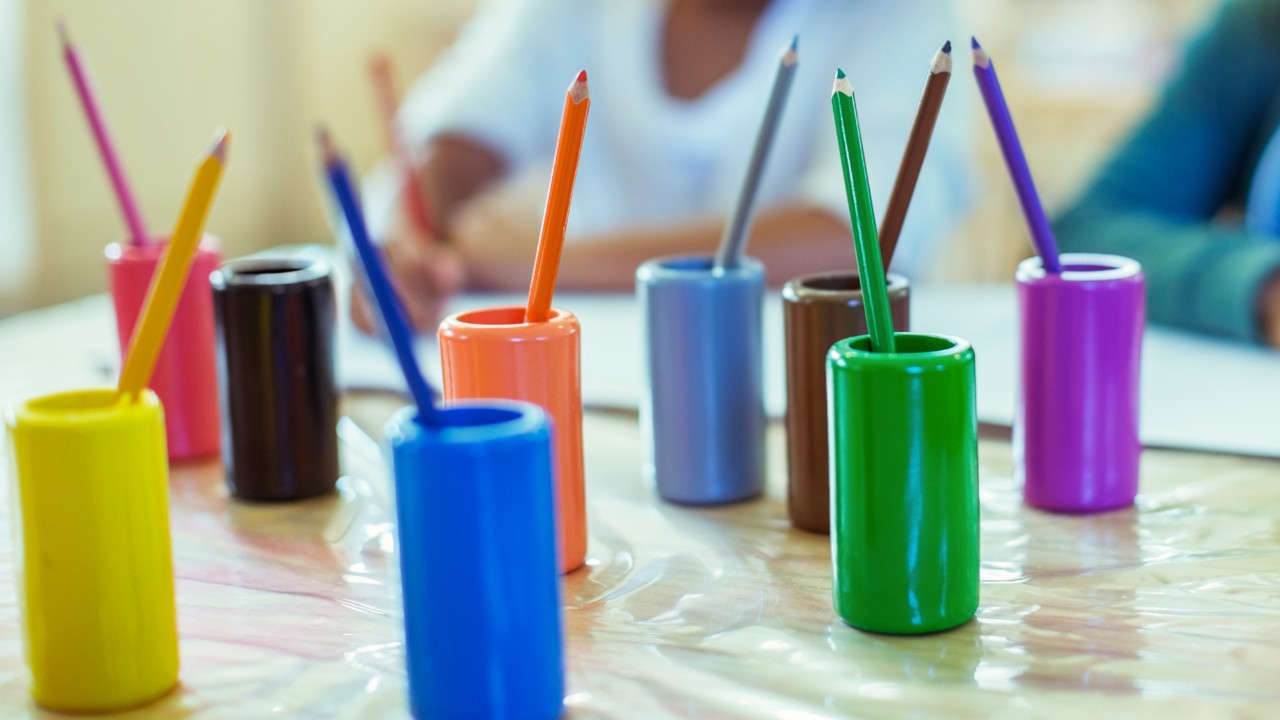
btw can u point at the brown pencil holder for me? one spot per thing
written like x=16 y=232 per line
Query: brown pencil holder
x=276 y=325
x=818 y=311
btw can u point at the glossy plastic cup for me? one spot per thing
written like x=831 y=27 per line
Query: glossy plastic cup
x=904 y=500
x=276 y=325
x=493 y=353
x=1076 y=445
x=817 y=311
x=703 y=415
x=475 y=503
x=90 y=482
x=185 y=376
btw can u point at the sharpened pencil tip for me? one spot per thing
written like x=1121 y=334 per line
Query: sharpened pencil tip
x=578 y=90
x=947 y=47
x=974 y=42
x=219 y=147
x=795 y=43
x=61 y=25
x=842 y=85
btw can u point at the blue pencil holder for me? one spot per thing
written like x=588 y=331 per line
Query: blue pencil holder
x=703 y=416
x=475 y=506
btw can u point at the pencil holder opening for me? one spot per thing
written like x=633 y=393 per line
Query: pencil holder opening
x=1082 y=267
x=504 y=316
x=265 y=273
x=905 y=344
x=687 y=264
x=74 y=401
x=841 y=283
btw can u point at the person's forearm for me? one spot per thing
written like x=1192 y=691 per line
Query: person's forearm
x=1269 y=310
x=455 y=168
x=790 y=240
x=1199 y=275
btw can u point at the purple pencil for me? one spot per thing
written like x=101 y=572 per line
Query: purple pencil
x=1041 y=235
x=84 y=89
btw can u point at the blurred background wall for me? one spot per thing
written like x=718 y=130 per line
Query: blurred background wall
x=1077 y=73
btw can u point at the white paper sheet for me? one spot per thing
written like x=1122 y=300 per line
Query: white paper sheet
x=1197 y=392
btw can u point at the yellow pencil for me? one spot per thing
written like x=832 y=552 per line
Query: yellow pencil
x=166 y=286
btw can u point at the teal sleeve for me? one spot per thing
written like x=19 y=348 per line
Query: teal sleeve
x=1156 y=199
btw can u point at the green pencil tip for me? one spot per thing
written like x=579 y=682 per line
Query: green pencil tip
x=839 y=74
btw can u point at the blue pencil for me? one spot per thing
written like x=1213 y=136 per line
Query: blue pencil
x=389 y=307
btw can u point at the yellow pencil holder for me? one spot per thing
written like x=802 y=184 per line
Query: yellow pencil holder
x=95 y=573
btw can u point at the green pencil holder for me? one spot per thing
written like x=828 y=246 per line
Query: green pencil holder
x=904 y=493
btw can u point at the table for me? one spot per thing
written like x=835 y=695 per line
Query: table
x=1169 y=609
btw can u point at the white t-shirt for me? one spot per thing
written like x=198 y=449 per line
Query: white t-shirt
x=649 y=158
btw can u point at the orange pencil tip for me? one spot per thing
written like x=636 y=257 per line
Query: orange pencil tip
x=582 y=76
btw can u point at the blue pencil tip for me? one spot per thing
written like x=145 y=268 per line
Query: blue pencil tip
x=974 y=41
x=947 y=48
x=795 y=43
x=839 y=74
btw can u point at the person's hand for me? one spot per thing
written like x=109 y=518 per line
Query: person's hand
x=425 y=271
x=1270 y=304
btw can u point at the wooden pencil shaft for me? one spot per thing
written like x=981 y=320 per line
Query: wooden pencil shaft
x=1015 y=160
x=733 y=241
x=378 y=282
x=875 y=294
x=564 y=170
x=78 y=68
x=904 y=185
x=170 y=278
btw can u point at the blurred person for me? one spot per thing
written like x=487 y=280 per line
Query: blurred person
x=1194 y=194
x=678 y=89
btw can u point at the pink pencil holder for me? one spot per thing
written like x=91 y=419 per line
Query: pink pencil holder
x=186 y=374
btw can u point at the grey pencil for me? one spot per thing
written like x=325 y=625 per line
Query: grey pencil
x=733 y=241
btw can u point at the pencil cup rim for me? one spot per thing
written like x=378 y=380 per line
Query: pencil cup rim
x=268 y=274
x=1080 y=268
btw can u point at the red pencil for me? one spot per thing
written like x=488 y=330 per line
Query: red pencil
x=384 y=87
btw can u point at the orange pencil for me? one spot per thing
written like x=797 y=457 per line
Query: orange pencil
x=563 y=171
x=384 y=87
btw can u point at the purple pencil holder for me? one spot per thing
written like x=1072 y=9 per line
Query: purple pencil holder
x=1075 y=437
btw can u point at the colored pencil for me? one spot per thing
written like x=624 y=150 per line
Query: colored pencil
x=415 y=197
x=904 y=186
x=1007 y=136
x=98 y=125
x=171 y=277
x=573 y=123
x=734 y=239
x=862 y=216
x=391 y=310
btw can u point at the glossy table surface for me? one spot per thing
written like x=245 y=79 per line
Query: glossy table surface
x=1169 y=609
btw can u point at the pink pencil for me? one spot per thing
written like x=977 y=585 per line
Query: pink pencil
x=84 y=89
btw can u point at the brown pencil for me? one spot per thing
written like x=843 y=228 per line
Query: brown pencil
x=913 y=157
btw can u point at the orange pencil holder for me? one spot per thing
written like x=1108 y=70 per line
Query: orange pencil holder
x=494 y=354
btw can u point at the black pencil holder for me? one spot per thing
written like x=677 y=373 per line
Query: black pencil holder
x=279 y=395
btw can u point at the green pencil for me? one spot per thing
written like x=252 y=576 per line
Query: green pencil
x=866 y=243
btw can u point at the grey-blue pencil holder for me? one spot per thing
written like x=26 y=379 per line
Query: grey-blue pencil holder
x=703 y=413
